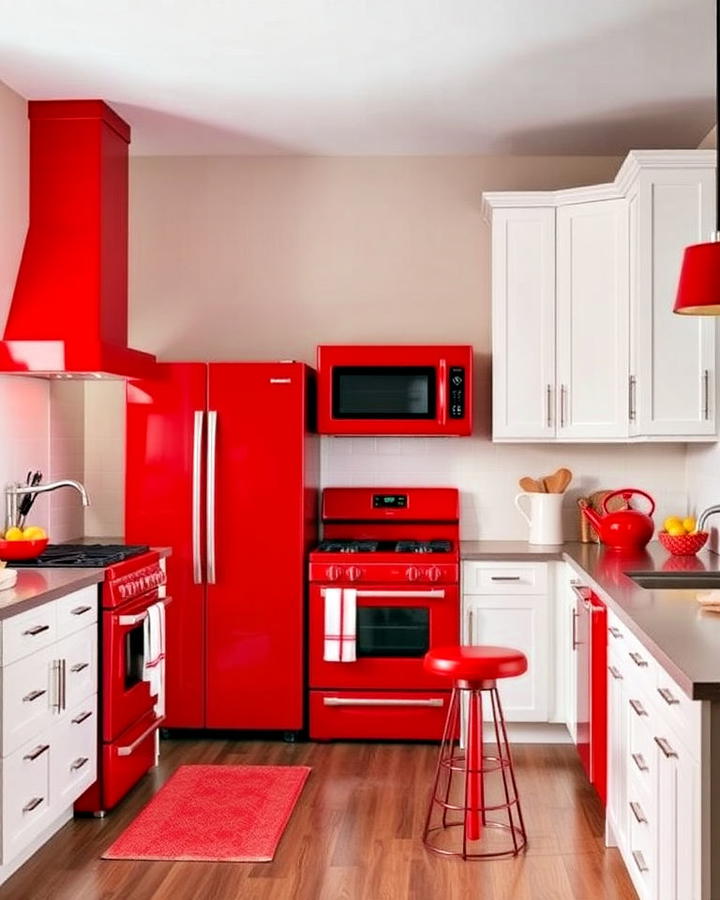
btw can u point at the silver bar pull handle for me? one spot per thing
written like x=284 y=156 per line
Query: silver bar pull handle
x=79 y=763
x=33 y=804
x=665 y=747
x=637 y=659
x=575 y=642
x=373 y=701
x=505 y=578
x=639 y=761
x=638 y=708
x=129 y=749
x=33 y=695
x=632 y=388
x=615 y=673
x=63 y=682
x=36 y=629
x=210 y=495
x=640 y=861
x=132 y=620
x=638 y=813
x=615 y=632
x=79 y=719
x=668 y=696
x=706 y=394
x=196 y=492
x=470 y=626
x=548 y=399
x=80 y=610
x=78 y=667
x=38 y=751
x=563 y=399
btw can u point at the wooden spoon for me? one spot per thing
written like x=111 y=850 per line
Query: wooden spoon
x=530 y=485
x=558 y=482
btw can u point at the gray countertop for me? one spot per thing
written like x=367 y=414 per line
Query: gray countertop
x=37 y=586
x=684 y=639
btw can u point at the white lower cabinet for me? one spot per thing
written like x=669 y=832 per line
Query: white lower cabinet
x=514 y=612
x=654 y=812
x=49 y=721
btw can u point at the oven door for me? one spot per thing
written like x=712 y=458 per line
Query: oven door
x=395 y=629
x=126 y=697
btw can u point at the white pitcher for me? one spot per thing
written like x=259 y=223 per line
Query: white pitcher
x=544 y=517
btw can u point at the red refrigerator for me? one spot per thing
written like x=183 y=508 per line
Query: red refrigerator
x=222 y=466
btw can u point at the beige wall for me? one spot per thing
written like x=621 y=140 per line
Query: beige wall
x=13 y=191
x=244 y=258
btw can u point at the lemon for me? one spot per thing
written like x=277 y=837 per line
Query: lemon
x=13 y=534
x=672 y=522
x=34 y=533
x=689 y=524
x=676 y=530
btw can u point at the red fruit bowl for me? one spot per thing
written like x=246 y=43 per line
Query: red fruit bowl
x=11 y=550
x=683 y=544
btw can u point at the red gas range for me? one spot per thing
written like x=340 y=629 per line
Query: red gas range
x=384 y=589
x=127 y=716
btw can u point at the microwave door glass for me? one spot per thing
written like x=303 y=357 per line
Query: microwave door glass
x=384 y=392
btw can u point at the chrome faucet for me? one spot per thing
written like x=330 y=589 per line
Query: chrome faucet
x=705 y=515
x=16 y=490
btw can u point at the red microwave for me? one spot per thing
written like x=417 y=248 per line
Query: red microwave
x=395 y=390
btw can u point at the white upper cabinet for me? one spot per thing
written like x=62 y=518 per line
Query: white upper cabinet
x=585 y=344
x=592 y=320
x=523 y=253
x=673 y=366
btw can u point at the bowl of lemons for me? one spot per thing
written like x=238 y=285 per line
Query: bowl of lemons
x=22 y=543
x=681 y=537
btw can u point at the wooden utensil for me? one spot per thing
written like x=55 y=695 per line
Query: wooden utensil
x=558 y=482
x=531 y=485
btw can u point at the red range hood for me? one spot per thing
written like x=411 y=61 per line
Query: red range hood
x=68 y=315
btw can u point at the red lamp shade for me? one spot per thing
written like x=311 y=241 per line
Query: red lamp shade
x=698 y=292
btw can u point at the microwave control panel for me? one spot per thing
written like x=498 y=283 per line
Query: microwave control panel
x=457 y=392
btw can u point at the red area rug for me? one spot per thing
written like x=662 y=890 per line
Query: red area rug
x=215 y=813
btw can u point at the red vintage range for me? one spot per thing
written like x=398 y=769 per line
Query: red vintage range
x=221 y=467
x=397 y=548
x=420 y=390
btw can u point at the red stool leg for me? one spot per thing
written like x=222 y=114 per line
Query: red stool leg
x=506 y=763
x=473 y=772
x=446 y=751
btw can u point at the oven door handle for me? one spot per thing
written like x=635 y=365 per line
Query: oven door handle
x=376 y=701
x=440 y=593
x=196 y=495
x=129 y=749
x=129 y=621
x=210 y=474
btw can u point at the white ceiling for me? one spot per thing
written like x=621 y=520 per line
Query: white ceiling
x=375 y=76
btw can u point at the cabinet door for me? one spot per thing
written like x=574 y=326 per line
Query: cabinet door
x=568 y=654
x=592 y=320
x=674 y=355
x=523 y=323
x=678 y=831
x=520 y=622
x=616 y=821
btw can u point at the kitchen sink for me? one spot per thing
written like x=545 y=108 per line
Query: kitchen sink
x=688 y=580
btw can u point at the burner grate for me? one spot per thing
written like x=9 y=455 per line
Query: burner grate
x=81 y=556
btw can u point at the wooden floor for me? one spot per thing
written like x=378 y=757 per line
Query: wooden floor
x=355 y=834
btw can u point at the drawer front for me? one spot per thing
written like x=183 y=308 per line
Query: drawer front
x=77 y=610
x=640 y=666
x=642 y=758
x=505 y=578
x=364 y=715
x=26 y=798
x=679 y=713
x=27 y=632
x=74 y=765
x=642 y=860
x=78 y=653
x=30 y=693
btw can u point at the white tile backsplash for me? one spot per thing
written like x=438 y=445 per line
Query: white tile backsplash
x=487 y=474
x=703 y=484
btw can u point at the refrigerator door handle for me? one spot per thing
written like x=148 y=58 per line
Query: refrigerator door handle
x=196 y=493
x=210 y=497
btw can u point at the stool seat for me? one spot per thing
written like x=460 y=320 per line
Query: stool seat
x=478 y=663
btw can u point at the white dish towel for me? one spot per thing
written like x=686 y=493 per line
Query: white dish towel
x=154 y=669
x=340 y=625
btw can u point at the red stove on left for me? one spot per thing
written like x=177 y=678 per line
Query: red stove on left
x=128 y=722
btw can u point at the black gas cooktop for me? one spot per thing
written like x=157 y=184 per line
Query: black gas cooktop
x=81 y=555
x=341 y=545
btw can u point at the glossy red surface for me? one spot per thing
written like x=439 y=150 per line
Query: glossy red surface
x=678 y=545
x=158 y=510
x=10 y=550
x=235 y=648
x=69 y=307
x=440 y=358
x=699 y=285
x=476 y=663
x=355 y=506
x=626 y=529
x=383 y=722
x=598 y=698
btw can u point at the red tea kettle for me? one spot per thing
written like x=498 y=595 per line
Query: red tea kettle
x=626 y=529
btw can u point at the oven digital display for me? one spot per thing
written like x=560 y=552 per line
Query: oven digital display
x=390 y=501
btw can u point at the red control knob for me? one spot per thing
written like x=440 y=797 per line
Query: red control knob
x=354 y=572
x=412 y=573
x=434 y=573
x=333 y=573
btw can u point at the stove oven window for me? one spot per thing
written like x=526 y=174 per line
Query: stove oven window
x=392 y=631
x=134 y=656
x=384 y=392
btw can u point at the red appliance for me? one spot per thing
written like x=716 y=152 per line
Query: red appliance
x=590 y=645
x=128 y=723
x=398 y=549
x=420 y=390
x=625 y=529
x=69 y=307
x=222 y=467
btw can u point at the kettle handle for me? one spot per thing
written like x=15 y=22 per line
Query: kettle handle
x=626 y=494
x=522 y=511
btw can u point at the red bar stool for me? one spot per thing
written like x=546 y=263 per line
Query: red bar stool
x=469 y=786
